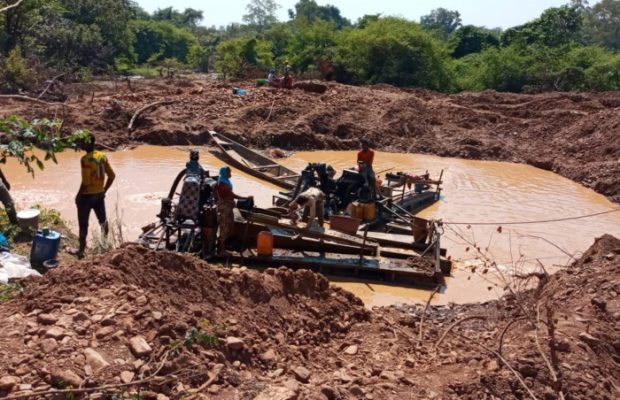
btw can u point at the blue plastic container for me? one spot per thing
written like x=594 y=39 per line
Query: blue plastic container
x=44 y=247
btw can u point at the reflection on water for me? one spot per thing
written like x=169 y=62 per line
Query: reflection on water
x=474 y=191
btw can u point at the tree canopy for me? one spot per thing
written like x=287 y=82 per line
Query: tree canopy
x=571 y=47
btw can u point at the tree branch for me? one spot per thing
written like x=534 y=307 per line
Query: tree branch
x=32 y=99
x=7 y=8
x=130 y=127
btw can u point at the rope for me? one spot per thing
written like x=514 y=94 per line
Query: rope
x=544 y=221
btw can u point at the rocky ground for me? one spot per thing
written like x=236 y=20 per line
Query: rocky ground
x=143 y=325
x=574 y=134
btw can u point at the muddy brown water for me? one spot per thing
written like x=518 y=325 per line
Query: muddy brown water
x=473 y=192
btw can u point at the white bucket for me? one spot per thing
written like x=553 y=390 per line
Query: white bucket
x=29 y=218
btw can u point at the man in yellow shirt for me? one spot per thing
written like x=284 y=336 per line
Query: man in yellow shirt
x=91 y=196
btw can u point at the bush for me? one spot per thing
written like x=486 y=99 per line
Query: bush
x=395 y=51
x=198 y=57
x=236 y=55
x=14 y=72
x=157 y=40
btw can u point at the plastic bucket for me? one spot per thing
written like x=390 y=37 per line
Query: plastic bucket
x=44 y=247
x=369 y=211
x=264 y=244
x=29 y=219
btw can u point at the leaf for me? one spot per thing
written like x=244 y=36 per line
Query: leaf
x=499 y=229
x=40 y=164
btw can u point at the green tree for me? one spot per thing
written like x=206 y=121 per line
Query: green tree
x=234 y=56
x=555 y=27
x=442 y=20
x=396 y=51
x=309 y=11
x=189 y=18
x=364 y=21
x=472 y=39
x=261 y=13
x=157 y=40
x=602 y=24
x=14 y=72
x=311 y=43
x=199 y=57
x=23 y=24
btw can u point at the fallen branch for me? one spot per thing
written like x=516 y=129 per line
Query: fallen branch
x=11 y=6
x=428 y=302
x=270 y=111
x=50 y=85
x=31 y=99
x=454 y=325
x=213 y=378
x=145 y=108
x=501 y=336
x=503 y=360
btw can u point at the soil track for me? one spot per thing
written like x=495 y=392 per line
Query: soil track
x=574 y=134
x=182 y=324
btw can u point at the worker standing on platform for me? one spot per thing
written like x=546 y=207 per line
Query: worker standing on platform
x=225 y=206
x=313 y=201
x=365 y=158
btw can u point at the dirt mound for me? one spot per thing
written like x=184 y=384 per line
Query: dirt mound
x=134 y=313
x=168 y=325
x=573 y=134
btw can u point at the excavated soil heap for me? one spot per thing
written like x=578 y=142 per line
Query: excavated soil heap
x=573 y=134
x=173 y=324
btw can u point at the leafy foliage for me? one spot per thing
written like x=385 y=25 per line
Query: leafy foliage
x=14 y=73
x=236 y=55
x=572 y=47
x=22 y=137
x=157 y=40
x=261 y=13
x=189 y=18
x=309 y=11
x=472 y=39
x=555 y=27
x=442 y=20
x=602 y=24
x=395 y=51
x=311 y=43
x=7 y=292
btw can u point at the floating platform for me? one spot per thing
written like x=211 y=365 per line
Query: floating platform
x=420 y=272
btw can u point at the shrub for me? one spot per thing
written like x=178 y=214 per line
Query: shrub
x=14 y=72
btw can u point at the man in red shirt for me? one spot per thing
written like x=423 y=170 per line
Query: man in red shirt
x=366 y=155
x=365 y=159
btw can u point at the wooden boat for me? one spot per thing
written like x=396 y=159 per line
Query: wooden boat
x=255 y=163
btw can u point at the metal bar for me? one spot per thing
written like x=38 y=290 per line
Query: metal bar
x=437 y=247
x=363 y=247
